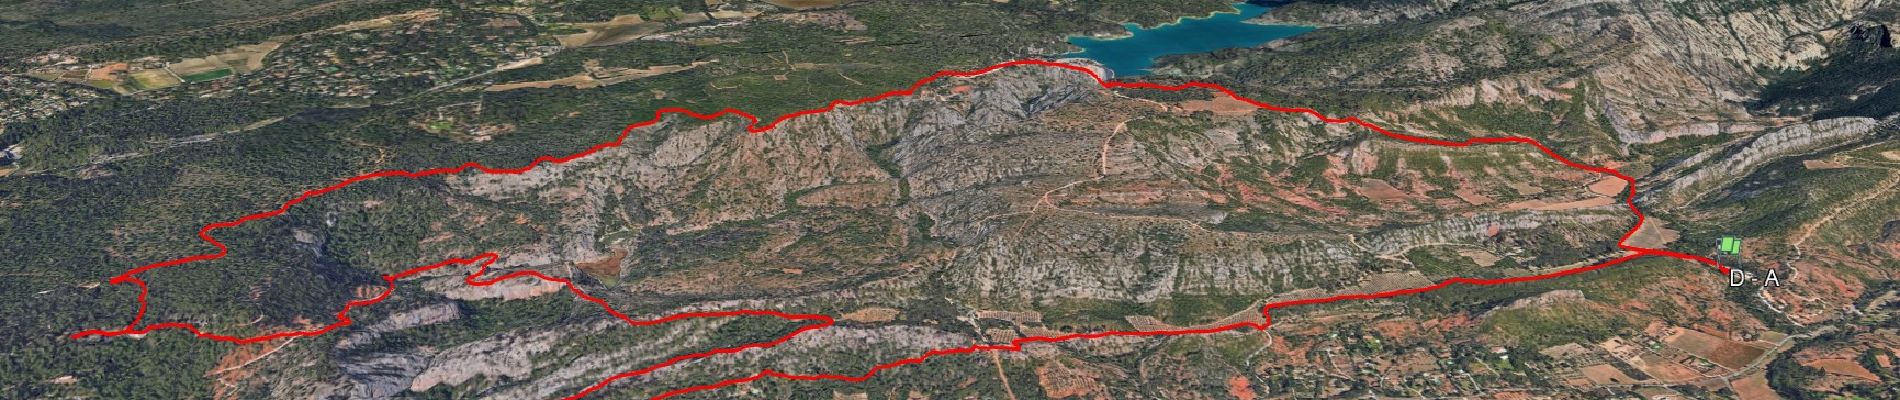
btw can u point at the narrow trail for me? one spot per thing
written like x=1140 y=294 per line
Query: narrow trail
x=818 y=321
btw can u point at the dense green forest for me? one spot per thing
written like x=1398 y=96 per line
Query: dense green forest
x=77 y=221
x=106 y=29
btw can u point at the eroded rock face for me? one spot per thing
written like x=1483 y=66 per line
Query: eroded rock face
x=507 y=356
x=1720 y=166
x=381 y=375
x=675 y=184
x=1659 y=70
x=1871 y=33
x=1046 y=186
x=1545 y=299
x=455 y=287
x=1027 y=187
x=426 y=315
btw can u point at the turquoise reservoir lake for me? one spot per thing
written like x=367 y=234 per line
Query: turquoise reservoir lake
x=1132 y=55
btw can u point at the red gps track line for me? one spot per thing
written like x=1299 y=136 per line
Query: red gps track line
x=820 y=321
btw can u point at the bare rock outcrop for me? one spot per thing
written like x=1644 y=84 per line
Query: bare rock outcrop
x=1695 y=176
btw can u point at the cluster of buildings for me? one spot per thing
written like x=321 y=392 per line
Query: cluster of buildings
x=1366 y=365
x=402 y=58
x=25 y=99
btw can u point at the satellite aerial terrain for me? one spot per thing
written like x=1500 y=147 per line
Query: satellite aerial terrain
x=949 y=199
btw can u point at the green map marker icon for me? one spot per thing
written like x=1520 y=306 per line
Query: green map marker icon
x=1730 y=245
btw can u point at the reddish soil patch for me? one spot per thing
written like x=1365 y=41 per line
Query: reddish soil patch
x=1511 y=395
x=1290 y=355
x=1661 y=368
x=1240 y=388
x=1396 y=329
x=871 y=314
x=1818 y=284
x=1060 y=381
x=604 y=268
x=105 y=73
x=1220 y=105
x=230 y=368
x=1729 y=354
x=1754 y=387
x=1380 y=190
x=1611 y=187
x=1541 y=205
x=1843 y=367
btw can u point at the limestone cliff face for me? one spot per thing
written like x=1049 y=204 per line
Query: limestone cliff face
x=1701 y=173
x=1369 y=12
x=1696 y=67
x=1026 y=185
x=1010 y=192
x=1652 y=70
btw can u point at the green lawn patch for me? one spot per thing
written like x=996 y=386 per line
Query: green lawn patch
x=208 y=75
